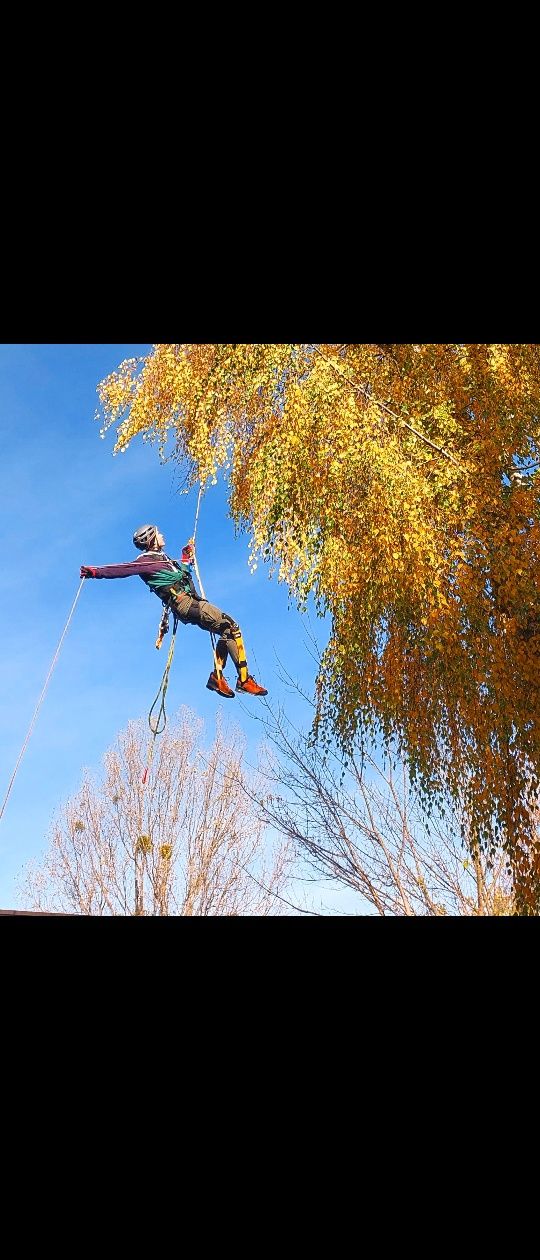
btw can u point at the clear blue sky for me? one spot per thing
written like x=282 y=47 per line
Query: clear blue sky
x=65 y=502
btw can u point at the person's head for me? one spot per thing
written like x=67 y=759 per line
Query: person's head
x=148 y=538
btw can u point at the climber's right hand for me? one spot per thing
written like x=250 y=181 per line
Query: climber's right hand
x=87 y=571
x=188 y=552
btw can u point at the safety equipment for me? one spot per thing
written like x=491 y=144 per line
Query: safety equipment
x=145 y=537
x=87 y=571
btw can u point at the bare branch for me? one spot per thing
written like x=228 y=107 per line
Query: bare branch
x=194 y=844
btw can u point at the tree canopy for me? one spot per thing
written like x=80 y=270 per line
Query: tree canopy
x=398 y=484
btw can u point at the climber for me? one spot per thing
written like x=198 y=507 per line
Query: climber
x=172 y=582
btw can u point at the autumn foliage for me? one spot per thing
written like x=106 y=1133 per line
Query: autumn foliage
x=398 y=484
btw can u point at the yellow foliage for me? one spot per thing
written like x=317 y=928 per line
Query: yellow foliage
x=377 y=478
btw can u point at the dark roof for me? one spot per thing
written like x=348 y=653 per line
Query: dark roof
x=62 y=914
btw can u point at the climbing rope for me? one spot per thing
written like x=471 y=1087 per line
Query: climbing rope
x=212 y=635
x=219 y=671
x=41 y=698
x=201 y=492
x=158 y=723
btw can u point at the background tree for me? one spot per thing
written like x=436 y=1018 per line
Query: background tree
x=191 y=843
x=360 y=825
x=399 y=485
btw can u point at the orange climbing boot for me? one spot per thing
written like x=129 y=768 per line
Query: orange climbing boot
x=251 y=687
x=220 y=685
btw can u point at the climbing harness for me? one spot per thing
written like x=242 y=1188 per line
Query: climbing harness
x=164 y=623
x=42 y=697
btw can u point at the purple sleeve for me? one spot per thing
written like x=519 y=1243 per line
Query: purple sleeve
x=132 y=568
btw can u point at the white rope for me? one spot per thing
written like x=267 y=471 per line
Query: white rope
x=199 y=580
x=198 y=576
x=201 y=492
x=192 y=539
x=41 y=698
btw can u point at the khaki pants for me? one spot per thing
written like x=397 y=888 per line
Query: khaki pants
x=199 y=612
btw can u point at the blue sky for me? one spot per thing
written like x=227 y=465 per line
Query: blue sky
x=65 y=502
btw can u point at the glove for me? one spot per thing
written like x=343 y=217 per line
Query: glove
x=87 y=571
x=188 y=552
